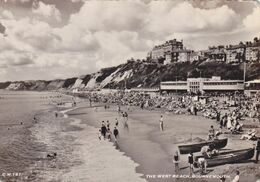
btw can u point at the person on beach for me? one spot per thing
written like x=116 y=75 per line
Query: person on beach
x=90 y=103
x=34 y=119
x=250 y=135
x=161 y=123
x=142 y=106
x=211 y=134
x=224 y=120
x=126 y=116
x=103 y=131
x=202 y=163
x=236 y=179
x=108 y=124
x=116 y=122
x=176 y=160
x=99 y=134
x=195 y=110
x=116 y=133
x=257 y=148
x=118 y=109
x=205 y=151
x=218 y=116
x=191 y=162
x=56 y=114
x=108 y=134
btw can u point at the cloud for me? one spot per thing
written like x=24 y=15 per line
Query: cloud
x=107 y=33
x=110 y=15
x=251 y=22
x=46 y=10
x=185 y=18
x=12 y=58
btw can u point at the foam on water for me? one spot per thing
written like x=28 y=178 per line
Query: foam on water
x=101 y=162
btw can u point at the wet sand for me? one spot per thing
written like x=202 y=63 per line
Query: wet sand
x=152 y=149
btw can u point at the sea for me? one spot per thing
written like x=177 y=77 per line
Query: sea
x=29 y=131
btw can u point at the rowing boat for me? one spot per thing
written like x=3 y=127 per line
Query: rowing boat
x=229 y=157
x=196 y=147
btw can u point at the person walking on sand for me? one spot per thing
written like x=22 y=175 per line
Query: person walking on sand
x=176 y=160
x=257 y=148
x=116 y=133
x=161 y=123
x=103 y=131
x=191 y=161
x=108 y=134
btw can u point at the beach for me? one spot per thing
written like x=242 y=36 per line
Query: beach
x=152 y=149
x=144 y=152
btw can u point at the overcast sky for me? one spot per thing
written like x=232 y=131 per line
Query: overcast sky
x=50 y=39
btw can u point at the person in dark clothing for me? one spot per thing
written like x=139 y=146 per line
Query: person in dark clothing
x=176 y=160
x=221 y=123
x=142 y=105
x=108 y=134
x=218 y=116
x=116 y=122
x=191 y=161
x=116 y=133
x=103 y=131
x=257 y=150
x=195 y=110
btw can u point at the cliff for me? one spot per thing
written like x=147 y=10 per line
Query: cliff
x=140 y=74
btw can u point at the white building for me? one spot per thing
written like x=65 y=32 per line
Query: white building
x=253 y=53
x=184 y=55
x=195 y=85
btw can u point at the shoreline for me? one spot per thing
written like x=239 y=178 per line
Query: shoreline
x=77 y=148
x=157 y=142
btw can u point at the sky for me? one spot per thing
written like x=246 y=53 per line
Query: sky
x=53 y=39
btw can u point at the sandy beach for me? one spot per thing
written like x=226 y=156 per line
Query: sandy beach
x=145 y=153
x=152 y=149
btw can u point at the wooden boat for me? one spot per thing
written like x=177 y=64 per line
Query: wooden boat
x=229 y=157
x=196 y=147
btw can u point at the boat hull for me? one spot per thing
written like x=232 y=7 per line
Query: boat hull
x=196 y=147
x=230 y=157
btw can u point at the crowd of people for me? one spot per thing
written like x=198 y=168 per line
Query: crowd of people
x=226 y=109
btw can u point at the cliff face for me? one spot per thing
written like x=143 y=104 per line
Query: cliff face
x=140 y=74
